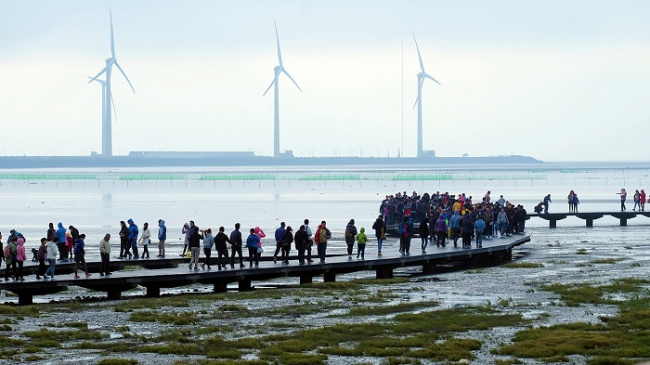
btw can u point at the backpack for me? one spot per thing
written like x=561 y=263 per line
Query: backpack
x=348 y=234
x=7 y=251
x=403 y=230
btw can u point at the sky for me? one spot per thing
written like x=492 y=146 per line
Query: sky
x=556 y=80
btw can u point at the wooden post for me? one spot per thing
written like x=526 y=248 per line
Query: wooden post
x=25 y=298
x=329 y=277
x=244 y=284
x=384 y=273
x=429 y=268
x=114 y=294
x=153 y=292
x=306 y=279
x=552 y=223
x=220 y=287
x=590 y=222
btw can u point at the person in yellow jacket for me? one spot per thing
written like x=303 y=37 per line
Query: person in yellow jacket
x=361 y=242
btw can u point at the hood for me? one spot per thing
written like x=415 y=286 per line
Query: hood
x=161 y=223
x=186 y=225
x=363 y=230
x=60 y=225
x=456 y=212
x=351 y=222
x=20 y=241
x=130 y=222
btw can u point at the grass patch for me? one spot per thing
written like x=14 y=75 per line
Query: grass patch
x=582 y=251
x=523 y=265
x=46 y=334
x=608 y=261
x=389 y=309
x=112 y=361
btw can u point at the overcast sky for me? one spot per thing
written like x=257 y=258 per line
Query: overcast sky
x=556 y=80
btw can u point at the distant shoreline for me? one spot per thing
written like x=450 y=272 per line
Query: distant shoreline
x=215 y=159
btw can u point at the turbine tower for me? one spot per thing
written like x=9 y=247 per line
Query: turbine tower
x=107 y=141
x=421 y=76
x=278 y=70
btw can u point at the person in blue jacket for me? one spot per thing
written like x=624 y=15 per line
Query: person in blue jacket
x=162 y=236
x=133 y=238
x=479 y=227
x=63 y=250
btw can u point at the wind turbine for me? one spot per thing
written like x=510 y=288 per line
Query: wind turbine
x=421 y=76
x=278 y=70
x=107 y=142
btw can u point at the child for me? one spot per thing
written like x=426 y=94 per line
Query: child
x=361 y=242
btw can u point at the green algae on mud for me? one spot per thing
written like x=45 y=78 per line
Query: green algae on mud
x=620 y=339
x=523 y=265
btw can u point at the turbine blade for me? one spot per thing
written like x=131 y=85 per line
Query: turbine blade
x=277 y=38
x=114 y=111
x=272 y=82
x=431 y=77
x=99 y=74
x=127 y=79
x=291 y=78
x=417 y=100
x=419 y=56
x=112 y=43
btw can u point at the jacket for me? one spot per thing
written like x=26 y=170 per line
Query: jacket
x=253 y=241
x=133 y=230
x=20 y=250
x=279 y=234
x=104 y=247
x=378 y=226
x=455 y=220
x=479 y=225
x=322 y=235
x=441 y=225
x=195 y=239
x=42 y=252
x=60 y=233
x=220 y=241
x=362 y=238
x=208 y=241
x=79 y=245
x=301 y=239
x=145 y=236
x=235 y=238
x=162 y=230
x=52 y=250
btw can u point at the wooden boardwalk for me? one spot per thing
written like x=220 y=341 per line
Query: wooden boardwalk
x=589 y=217
x=493 y=251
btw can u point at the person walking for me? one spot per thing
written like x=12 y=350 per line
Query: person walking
x=300 y=239
x=350 y=235
x=124 y=241
x=502 y=222
x=186 y=233
x=279 y=234
x=441 y=230
x=195 y=248
x=162 y=237
x=467 y=230
x=236 y=244
x=310 y=241
x=287 y=240
x=145 y=239
x=322 y=235
x=10 y=258
x=42 y=252
x=623 y=194
x=80 y=256
x=643 y=198
x=252 y=243
x=74 y=234
x=380 y=231
x=52 y=252
x=479 y=227
x=133 y=238
x=424 y=233
x=20 y=257
x=51 y=232
x=105 y=254
x=220 y=242
x=454 y=223
x=362 y=238
x=63 y=250
x=637 y=200
x=208 y=242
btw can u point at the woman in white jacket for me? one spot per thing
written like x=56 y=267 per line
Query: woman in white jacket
x=145 y=239
x=52 y=253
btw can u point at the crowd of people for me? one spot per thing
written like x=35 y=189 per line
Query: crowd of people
x=446 y=218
